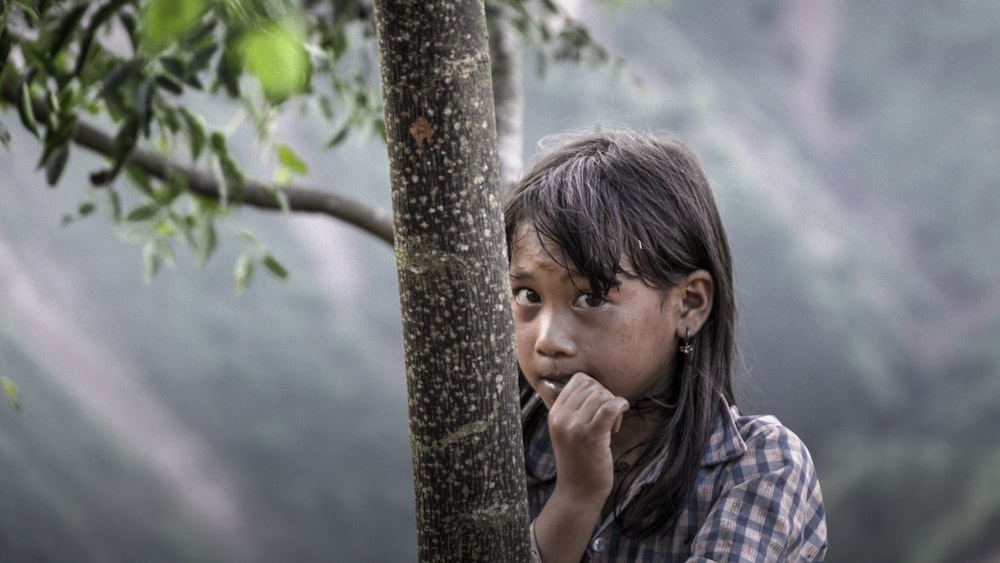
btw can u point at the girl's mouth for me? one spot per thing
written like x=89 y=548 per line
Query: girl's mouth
x=554 y=384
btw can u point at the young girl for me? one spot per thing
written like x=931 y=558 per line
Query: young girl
x=625 y=319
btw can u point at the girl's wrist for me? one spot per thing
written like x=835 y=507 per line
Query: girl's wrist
x=562 y=529
x=592 y=490
x=580 y=500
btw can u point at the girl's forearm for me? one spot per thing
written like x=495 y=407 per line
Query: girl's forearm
x=564 y=526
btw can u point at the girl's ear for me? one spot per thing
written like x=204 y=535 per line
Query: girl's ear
x=697 y=292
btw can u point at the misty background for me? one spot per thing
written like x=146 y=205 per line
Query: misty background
x=853 y=147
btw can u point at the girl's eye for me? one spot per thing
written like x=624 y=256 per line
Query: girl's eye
x=525 y=296
x=590 y=300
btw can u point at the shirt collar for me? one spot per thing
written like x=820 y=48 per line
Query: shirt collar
x=725 y=442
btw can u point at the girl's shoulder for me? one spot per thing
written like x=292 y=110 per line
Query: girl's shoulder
x=755 y=444
x=765 y=431
x=763 y=477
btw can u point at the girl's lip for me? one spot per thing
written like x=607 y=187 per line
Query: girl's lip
x=555 y=383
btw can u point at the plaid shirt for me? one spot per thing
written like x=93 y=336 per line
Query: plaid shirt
x=757 y=498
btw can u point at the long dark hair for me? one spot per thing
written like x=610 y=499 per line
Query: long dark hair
x=620 y=197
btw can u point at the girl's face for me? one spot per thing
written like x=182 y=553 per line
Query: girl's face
x=626 y=340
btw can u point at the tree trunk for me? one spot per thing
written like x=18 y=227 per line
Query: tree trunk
x=451 y=259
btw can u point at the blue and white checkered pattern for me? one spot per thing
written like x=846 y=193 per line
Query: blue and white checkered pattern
x=757 y=498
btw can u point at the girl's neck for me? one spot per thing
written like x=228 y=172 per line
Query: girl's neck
x=628 y=444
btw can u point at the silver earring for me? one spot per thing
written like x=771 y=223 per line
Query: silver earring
x=686 y=347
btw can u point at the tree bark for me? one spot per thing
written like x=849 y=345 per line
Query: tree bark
x=451 y=261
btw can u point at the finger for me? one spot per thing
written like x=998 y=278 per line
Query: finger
x=575 y=392
x=579 y=380
x=620 y=417
x=584 y=396
x=607 y=412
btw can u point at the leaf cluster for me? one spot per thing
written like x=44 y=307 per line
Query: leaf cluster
x=138 y=67
x=553 y=33
x=141 y=69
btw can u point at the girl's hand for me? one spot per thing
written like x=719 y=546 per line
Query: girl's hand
x=581 y=422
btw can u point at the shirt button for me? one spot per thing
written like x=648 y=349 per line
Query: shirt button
x=598 y=544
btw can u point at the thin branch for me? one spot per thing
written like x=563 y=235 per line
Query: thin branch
x=367 y=217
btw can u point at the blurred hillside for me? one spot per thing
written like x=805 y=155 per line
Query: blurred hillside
x=853 y=146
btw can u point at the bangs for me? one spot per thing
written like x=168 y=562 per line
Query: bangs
x=611 y=214
x=569 y=206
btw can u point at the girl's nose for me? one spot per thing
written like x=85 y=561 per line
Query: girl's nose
x=554 y=336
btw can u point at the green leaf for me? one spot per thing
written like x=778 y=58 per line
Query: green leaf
x=166 y=228
x=52 y=100
x=86 y=207
x=166 y=116
x=243 y=272
x=99 y=18
x=5 y=45
x=10 y=389
x=233 y=180
x=174 y=66
x=291 y=160
x=196 y=132
x=248 y=236
x=276 y=56
x=56 y=163
x=84 y=52
x=198 y=37
x=228 y=73
x=173 y=187
x=219 y=144
x=117 y=76
x=26 y=110
x=200 y=59
x=152 y=261
x=167 y=21
x=169 y=84
x=128 y=22
x=275 y=267
x=206 y=241
x=339 y=136
x=144 y=105
x=57 y=139
x=142 y=213
x=123 y=143
x=115 y=202
x=67 y=26
x=155 y=254
x=206 y=206
x=141 y=181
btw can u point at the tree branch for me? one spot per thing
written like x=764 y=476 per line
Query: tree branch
x=367 y=217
